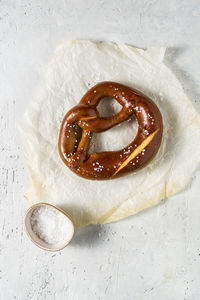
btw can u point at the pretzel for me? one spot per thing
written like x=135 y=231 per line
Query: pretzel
x=110 y=164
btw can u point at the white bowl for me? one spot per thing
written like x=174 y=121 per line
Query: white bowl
x=35 y=238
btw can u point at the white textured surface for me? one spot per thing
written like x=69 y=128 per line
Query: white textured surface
x=154 y=255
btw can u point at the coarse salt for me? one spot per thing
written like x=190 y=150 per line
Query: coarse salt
x=50 y=225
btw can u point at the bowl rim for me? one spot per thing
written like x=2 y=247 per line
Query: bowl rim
x=60 y=210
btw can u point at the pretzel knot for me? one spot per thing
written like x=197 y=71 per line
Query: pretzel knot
x=108 y=164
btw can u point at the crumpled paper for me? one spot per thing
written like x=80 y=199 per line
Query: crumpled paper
x=75 y=67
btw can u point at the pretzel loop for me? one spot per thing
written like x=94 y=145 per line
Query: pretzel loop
x=104 y=165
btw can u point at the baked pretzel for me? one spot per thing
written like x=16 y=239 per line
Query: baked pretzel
x=105 y=165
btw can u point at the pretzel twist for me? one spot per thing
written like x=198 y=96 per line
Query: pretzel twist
x=105 y=165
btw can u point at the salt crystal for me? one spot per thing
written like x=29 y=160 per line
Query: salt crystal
x=50 y=225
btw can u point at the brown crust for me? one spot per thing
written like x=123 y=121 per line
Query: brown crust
x=104 y=165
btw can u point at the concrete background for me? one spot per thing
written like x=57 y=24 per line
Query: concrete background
x=154 y=255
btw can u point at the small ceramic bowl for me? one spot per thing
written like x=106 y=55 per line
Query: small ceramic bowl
x=35 y=238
